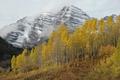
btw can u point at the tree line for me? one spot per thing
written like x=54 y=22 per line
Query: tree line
x=95 y=40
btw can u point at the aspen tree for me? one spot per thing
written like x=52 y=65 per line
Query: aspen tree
x=34 y=57
x=13 y=63
x=101 y=24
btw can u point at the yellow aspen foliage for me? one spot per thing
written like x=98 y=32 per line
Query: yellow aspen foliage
x=13 y=63
x=101 y=25
x=34 y=56
x=94 y=24
x=52 y=38
x=95 y=39
x=64 y=36
x=21 y=60
x=106 y=51
x=90 y=25
x=69 y=42
x=116 y=55
x=44 y=52
x=109 y=21
x=87 y=24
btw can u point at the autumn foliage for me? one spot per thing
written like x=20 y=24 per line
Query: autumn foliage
x=94 y=41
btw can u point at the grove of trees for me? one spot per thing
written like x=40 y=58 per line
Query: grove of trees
x=95 y=40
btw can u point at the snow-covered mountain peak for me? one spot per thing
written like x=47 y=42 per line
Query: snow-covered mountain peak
x=29 y=31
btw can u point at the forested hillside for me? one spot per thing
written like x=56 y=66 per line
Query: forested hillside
x=93 y=50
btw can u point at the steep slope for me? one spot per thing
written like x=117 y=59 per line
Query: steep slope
x=6 y=52
x=29 y=31
x=72 y=16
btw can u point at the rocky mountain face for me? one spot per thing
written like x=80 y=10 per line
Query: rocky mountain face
x=29 y=31
x=6 y=52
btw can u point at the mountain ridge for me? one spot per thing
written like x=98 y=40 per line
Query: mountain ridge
x=29 y=31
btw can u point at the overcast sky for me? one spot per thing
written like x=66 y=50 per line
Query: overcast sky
x=12 y=10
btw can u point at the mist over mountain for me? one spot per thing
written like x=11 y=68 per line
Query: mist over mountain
x=29 y=31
